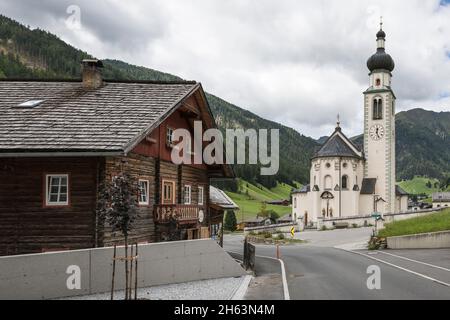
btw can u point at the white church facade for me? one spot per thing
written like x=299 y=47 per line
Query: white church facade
x=347 y=180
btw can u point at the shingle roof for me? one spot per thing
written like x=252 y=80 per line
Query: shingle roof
x=220 y=198
x=335 y=146
x=305 y=189
x=400 y=192
x=72 y=118
x=368 y=186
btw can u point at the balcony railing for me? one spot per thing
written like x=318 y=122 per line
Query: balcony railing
x=182 y=213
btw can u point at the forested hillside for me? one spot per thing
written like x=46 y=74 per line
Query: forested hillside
x=422 y=136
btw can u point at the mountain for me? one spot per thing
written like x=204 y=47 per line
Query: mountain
x=26 y=53
x=422 y=144
x=422 y=136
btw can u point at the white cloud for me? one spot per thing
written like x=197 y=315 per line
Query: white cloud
x=297 y=62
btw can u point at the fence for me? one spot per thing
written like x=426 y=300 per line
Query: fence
x=249 y=255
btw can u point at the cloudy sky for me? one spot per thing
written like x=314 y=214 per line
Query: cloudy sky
x=296 y=62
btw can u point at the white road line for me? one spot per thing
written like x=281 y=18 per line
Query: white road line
x=401 y=268
x=416 y=261
x=283 y=274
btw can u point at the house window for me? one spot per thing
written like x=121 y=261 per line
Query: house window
x=169 y=137
x=143 y=192
x=168 y=192
x=377 y=109
x=187 y=194
x=57 y=190
x=200 y=195
x=295 y=203
x=345 y=182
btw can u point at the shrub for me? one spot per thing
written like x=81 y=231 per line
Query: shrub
x=230 y=223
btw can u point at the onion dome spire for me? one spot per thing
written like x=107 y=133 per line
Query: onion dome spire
x=381 y=60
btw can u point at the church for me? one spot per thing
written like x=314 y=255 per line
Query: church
x=347 y=180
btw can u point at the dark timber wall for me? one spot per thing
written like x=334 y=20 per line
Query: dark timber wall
x=26 y=225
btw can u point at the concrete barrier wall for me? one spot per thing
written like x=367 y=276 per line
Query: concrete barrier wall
x=43 y=276
x=285 y=227
x=361 y=221
x=433 y=240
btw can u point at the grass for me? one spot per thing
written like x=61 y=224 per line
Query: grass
x=249 y=208
x=251 y=196
x=434 y=222
x=418 y=185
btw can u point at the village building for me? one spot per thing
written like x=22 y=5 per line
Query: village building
x=347 y=180
x=441 y=199
x=60 y=140
x=219 y=204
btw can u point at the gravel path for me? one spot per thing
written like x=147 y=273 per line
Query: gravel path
x=214 y=289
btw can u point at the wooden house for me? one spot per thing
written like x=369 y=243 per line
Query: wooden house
x=59 y=140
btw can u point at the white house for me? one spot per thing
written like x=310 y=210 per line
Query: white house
x=441 y=199
x=347 y=180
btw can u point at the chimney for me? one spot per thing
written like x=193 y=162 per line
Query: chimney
x=91 y=73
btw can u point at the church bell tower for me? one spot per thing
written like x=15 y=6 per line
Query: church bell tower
x=379 y=127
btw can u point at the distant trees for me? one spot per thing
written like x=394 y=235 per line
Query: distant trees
x=230 y=223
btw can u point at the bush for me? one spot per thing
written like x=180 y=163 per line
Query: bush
x=281 y=236
x=230 y=223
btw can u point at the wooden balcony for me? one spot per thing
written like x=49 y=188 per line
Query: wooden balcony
x=181 y=213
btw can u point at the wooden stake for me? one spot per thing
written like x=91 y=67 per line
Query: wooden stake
x=113 y=273
x=136 y=273
x=131 y=273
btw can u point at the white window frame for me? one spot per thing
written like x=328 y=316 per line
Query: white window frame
x=169 y=137
x=147 y=193
x=58 y=203
x=188 y=199
x=201 y=195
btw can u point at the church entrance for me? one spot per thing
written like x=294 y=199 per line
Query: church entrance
x=327 y=211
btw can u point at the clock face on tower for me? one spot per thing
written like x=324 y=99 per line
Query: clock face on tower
x=376 y=132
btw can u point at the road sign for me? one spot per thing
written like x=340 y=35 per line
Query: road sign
x=292 y=232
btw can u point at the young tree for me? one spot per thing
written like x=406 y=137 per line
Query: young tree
x=230 y=223
x=117 y=206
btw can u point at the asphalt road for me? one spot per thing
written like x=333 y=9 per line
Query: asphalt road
x=318 y=270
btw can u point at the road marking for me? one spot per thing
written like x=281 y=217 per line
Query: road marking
x=398 y=267
x=416 y=261
x=283 y=274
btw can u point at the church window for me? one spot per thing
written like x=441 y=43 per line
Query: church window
x=344 y=165
x=328 y=183
x=328 y=165
x=344 y=182
x=378 y=82
x=377 y=109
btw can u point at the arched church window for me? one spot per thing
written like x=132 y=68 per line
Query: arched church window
x=328 y=183
x=377 y=109
x=344 y=182
x=378 y=82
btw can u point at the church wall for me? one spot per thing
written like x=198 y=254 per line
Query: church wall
x=381 y=153
x=302 y=204
x=365 y=204
x=401 y=204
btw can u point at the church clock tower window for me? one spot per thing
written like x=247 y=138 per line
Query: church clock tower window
x=377 y=109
